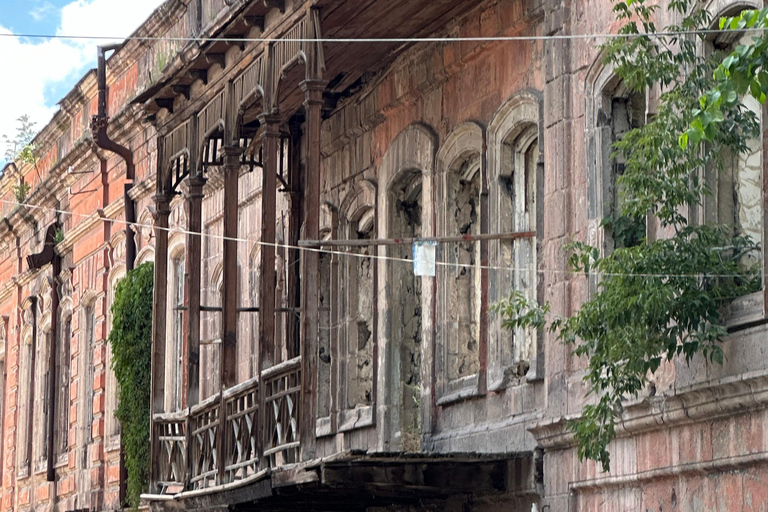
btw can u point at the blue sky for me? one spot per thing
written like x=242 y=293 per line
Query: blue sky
x=44 y=70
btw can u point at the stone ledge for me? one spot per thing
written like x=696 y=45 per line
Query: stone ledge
x=703 y=401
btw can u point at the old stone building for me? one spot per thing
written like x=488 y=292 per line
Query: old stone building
x=276 y=168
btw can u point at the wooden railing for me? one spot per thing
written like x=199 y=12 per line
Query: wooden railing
x=169 y=434
x=204 y=425
x=241 y=406
x=191 y=445
x=282 y=396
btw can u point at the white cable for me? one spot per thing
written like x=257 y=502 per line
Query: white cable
x=359 y=255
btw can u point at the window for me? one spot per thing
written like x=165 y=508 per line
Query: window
x=61 y=433
x=42 y=399
x=404 y=334
x=111 y=424
x=88 y=347
x=26 y=386
x=459 y=284
x=405 y=221
x=736 y=198
x=175 y=333
x=360 y=306
x=515 y=170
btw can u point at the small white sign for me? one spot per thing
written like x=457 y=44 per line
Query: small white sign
x=424 y=258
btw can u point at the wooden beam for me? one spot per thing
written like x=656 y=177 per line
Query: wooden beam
x=266 y=338
x=182 y=90
x=254 y=21
x=216 y=58
x=166 y=103
x=198 y=74
x=313 y=93
x=277 y=4
x=409 y=241
x=193 y=264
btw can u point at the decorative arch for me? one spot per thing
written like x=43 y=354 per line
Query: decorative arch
x=515 y=181
x=404 y=208
x=458 y=186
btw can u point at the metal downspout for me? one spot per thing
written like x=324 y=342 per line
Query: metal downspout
x=99 y=124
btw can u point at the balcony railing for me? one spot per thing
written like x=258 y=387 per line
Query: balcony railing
x=192 y=444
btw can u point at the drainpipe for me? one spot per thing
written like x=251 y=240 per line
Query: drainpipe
x=99 y=124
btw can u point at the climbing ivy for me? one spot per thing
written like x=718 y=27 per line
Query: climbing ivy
x=657 y=299
x=131 y=341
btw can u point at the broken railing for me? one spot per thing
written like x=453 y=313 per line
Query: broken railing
x=193 y=444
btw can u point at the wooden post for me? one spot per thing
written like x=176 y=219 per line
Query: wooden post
x=230 y=296
x=194 y=252
x=267 y=285
x=163 y=202
x=313 y=93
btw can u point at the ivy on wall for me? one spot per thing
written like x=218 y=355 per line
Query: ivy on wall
x=131 y=341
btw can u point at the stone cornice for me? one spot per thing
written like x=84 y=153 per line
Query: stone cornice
x=78 y=232
x=705 y=401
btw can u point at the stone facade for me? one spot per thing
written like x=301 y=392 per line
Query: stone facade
x=284 y=377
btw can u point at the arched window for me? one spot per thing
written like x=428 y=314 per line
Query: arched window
x=613 y=111
x=175 y=327
x=111 y=425
x=358 y=332
x=736 y=198
x=88 y=346
x=459 y=309
x=42 y=389
x=514 y=184
x=404 y=210
x=26 y=386
x=63 y=362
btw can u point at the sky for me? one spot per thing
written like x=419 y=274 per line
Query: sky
x=38 y=72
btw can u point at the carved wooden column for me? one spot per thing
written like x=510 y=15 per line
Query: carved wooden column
x=268 y=219
x=193 y=263
x=163 y=203
x=230 y=296
x=270 y=145
x=159 y=299
x=313 y=91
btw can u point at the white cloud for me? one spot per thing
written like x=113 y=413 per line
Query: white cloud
x=34 y=66
x=42 y=11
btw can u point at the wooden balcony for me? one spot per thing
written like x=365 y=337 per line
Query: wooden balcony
x=225 y=439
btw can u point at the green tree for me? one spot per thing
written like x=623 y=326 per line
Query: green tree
x=741 y=72
x=656 y=299
x=131 y=341
x=20 y=146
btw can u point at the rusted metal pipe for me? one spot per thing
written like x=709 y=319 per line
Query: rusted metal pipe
x=99 y=124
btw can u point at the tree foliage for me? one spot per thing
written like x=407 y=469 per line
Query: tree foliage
x=741 y=72
x=657 y=299
x=131 y=341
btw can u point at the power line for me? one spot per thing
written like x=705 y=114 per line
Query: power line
x=366 y=256
x=392 y=40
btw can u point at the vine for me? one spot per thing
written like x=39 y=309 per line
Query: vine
x=657 y=299
x=131 y=341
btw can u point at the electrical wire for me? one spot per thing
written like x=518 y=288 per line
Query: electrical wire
x=383 y=40
x=366 y=256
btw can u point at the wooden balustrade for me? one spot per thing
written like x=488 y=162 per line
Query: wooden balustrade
x=282 y=396
x=204 y=425
x=170 y=436
x=195 y=435
x=241 y=405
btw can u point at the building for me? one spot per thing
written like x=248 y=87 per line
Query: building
x=348 y=382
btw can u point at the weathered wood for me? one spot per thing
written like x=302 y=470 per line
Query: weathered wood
x=266 y=341
x=163 y=205
x=193 y=265
x=409 y=241
x=313 y=91
x=229 y=299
